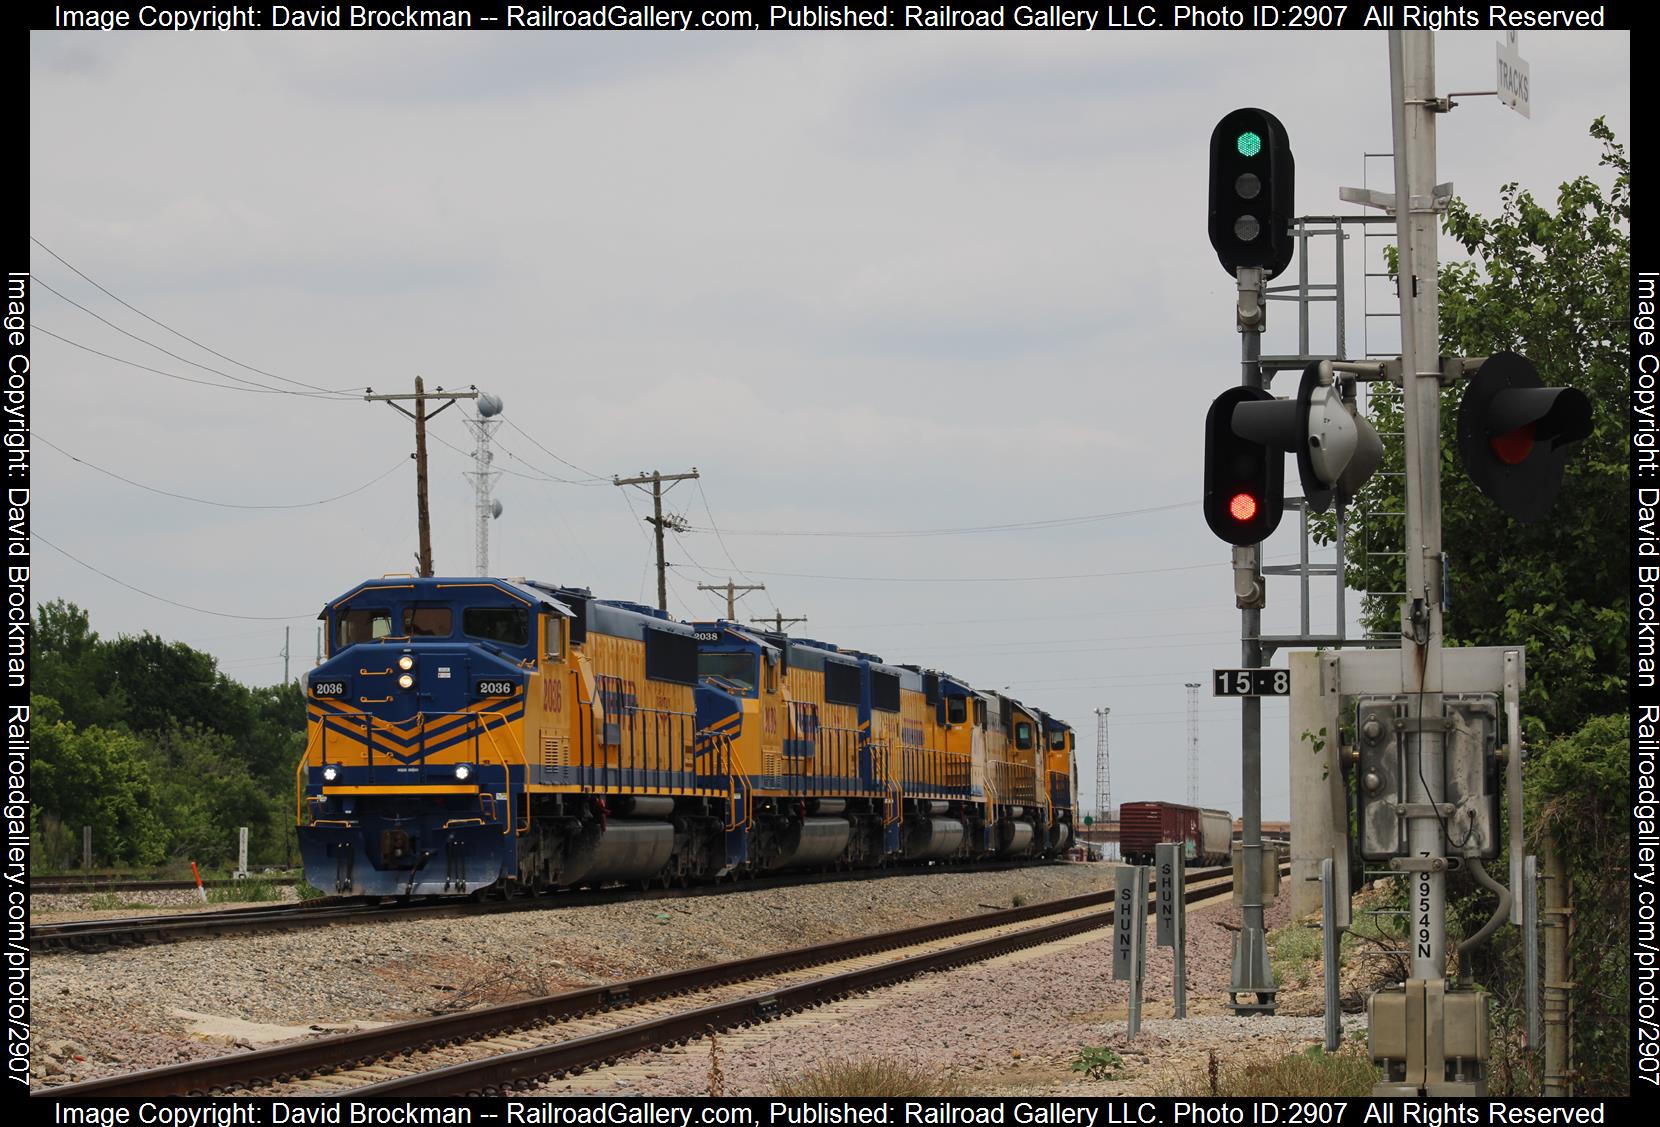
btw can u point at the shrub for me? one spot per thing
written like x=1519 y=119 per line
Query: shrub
x=869 y=1078
x=1314 y=1072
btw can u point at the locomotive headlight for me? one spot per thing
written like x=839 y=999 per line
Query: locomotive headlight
x=330 y=773
x=462 y=771
x=406 y=662
x=406 y=682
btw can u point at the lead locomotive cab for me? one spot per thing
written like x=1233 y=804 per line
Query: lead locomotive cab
x=414 y=732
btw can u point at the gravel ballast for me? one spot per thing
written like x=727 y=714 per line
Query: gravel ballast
x=1007 y=1024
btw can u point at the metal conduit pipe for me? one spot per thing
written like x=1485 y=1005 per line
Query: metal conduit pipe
x=1500 y=913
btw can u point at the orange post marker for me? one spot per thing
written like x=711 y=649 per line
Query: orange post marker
x=202 y=892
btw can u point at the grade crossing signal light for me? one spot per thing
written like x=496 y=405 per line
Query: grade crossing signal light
x=1514 y=434
x=1252 y=177
x=1244 y=479
x=1337 y=450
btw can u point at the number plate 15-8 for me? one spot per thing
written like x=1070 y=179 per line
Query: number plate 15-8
x=1251 y=682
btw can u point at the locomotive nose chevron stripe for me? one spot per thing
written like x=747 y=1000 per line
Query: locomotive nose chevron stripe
x=440 y=736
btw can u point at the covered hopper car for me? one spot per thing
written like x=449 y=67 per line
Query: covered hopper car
x=1142 y=826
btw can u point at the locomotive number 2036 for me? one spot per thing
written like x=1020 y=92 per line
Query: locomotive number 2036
x=328 y=688
x=496 y=688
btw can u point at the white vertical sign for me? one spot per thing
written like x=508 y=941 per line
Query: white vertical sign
x=1513 y=76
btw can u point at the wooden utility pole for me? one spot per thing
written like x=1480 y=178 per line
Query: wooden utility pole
x=779 y=621
x=423 y=558
x=732 y=590
x=658 y=521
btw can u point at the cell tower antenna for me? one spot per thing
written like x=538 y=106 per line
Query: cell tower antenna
x=1103 y=769
x=486 y=508
x=1193 y=743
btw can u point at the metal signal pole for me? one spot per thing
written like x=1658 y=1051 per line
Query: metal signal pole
x=1251 y=972
x=423 y=558
x=658 y=521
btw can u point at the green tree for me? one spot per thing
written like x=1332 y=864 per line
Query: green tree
x=95 y=777
x=1554 y=286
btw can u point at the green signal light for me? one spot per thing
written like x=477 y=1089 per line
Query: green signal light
x=1248 y=144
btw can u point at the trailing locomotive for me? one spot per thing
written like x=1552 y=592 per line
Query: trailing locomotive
x=491 y=734
x=1142 y=826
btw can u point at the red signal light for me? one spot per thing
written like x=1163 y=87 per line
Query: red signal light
x=1242 y=507
x=1513 y=447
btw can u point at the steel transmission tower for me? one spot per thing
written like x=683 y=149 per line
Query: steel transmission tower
x=483 y=478
x=1103 y=769
x=1193 y=743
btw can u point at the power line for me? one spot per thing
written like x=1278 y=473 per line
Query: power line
x=1055 y=522
x=163 y=599
x=982 y=578
x=169 y=328
x=599 y=478
x=162 y=372
x=321 y=393
x=218 y=504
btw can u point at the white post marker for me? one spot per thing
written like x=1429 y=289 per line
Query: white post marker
x=1171 y=929
x=241 y=854
x=1129 y=919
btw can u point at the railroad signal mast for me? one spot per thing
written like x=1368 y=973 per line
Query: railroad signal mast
x=1429 y=756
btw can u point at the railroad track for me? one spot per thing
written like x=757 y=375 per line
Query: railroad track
x=134 y=931
x=55 y=885
x=512 y=1045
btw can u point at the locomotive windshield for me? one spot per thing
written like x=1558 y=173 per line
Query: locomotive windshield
x=508 y=625
x=424 y=620
x=363 y=625
x=738 y=668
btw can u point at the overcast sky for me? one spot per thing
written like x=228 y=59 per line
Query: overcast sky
x=863 y=282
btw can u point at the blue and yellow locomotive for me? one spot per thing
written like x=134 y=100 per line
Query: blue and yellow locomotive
x=480 y=734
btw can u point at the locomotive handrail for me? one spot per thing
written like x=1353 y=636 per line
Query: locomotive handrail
x=896 y=812
x=475 y=720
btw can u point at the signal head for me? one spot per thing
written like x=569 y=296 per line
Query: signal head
x=1252 y=177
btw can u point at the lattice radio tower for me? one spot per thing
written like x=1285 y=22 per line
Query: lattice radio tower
x=1103 y=769
x=483 y=478
x=1193 y=743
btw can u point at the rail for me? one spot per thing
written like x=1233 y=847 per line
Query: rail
x=252 y=1069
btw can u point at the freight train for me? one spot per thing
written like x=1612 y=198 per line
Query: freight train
x=1142 y=826
x=476 y=735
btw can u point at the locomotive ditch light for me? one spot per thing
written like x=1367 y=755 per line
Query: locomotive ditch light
x=406 y=682
x=462 y=772
x=330 y=773
x=406 y=662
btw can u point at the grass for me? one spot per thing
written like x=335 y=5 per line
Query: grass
x=869 y=1078
x=244 y=891
x=1296 y=953
x=1314 y=1072
x=111 y=901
